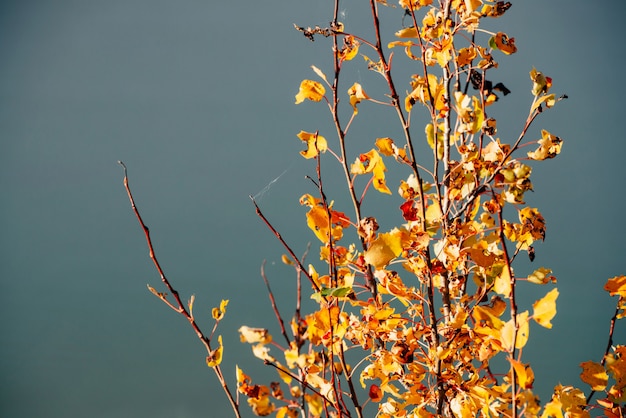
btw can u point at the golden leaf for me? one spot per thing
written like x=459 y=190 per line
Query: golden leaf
x=315 y=144
x=311 y=90
x=523 y=373
x=215 y=357
x=594 y=375
x=616 y=286
x=218 y=313
x=384 y=249
x=254 y=335
x=356 y=94
x=545 y=309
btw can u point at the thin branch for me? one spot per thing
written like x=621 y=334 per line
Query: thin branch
x=180 y=307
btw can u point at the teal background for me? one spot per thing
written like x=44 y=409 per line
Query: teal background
x=196 y=97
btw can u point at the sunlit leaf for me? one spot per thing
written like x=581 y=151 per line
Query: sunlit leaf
x=616 y=286
x=545 y=309
x=509 y=329
x=549 y=146
x=350 y=48
x=594 y=375
x=384 y=249
x=541 y=276
x=320 y=74
x=502 y=42
x=215 y=357
x=541 y=83
x=407 y=33
x=502 y=284
x=315 y=144
x=218 y=313
x=356 y=94
x=254 y=335
x=385 y=146
x=311 y=90
x=523 y=373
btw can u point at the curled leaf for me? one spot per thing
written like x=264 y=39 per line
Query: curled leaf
x=356 y=94
x=315 y=144
x=502 y=42
x=311 y=90
x=218 y=313
x=215 y=357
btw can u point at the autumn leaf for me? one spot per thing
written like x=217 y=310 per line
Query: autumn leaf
x=541 y=83
x=311 y=90
x=594 y=375
x=616 y=286
x=545 y=309
x=465 y=56
x=356 y=94
x=541 y=276
x=549 y=147
x=385 y=146
x=375 y=394
x=384 y=249
x=215 y=357
x=372 y=162
x=315 y=144
x=523 y=373
x=254 y=335
x=502 y=42
x=509 y=330
x=218 y=313
x=350 y=48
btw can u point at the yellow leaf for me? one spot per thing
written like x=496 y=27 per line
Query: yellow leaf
x=263 y=352
x=594 y=375
x=523 y=373
x=541 y=276
x=541 y=83
x=320 y=74
x=218 y=313
x=311 y=90
x=508 y=330
x=545 y=308
x=372 y=162
x=384 y=249
x=356 y=94
x=616 y=286
x=350 y=48
x=549 y=147
x=215 y=357
x=254 y=335
x=407 y=33
x=502 y=284
x=385 y=146
x=315 y=144
x=286 y=260
x=414 y=4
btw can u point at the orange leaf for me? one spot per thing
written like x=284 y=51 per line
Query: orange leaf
x=616 y=286
x=523 y=373
x=594 y=375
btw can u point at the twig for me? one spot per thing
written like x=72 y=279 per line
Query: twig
x=179 y=307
